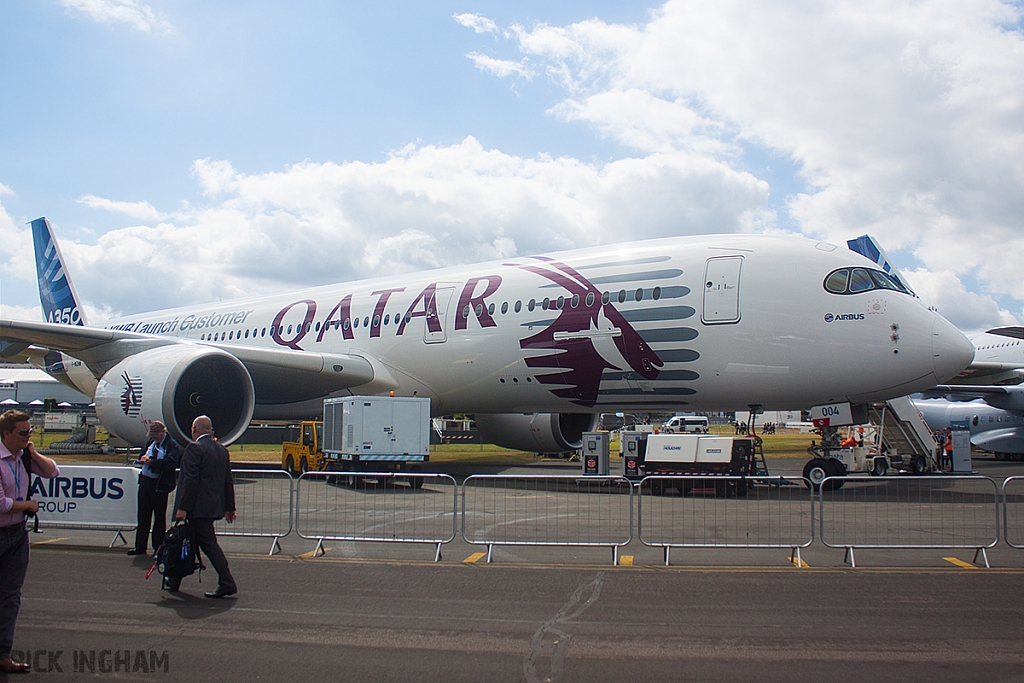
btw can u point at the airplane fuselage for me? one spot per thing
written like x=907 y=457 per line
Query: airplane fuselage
x=706 y=323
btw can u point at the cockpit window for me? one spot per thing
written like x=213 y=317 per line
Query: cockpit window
x=837 y=280
x=859 y=280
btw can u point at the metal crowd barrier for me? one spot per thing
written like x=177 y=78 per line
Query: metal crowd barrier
x=910 y=513
x=383 y=507
x=263 y=504
x=1013 y=512
x=563 y=510
x=725 y=512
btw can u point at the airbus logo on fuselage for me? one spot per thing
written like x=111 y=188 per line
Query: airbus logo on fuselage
x=829 y=317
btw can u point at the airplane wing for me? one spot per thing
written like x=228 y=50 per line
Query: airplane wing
x=997 y=396
x=1012 y=331
x=968 y=392
x=302 y=372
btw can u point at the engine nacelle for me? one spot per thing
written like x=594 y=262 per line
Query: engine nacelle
x=175 y=384
x=537 y=432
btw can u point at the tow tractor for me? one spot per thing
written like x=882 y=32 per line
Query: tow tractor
x=307 y=453
x=880 y=437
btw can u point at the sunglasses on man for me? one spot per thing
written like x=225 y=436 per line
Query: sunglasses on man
x=24 y=432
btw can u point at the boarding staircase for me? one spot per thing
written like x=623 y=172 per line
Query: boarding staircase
x=903 y=431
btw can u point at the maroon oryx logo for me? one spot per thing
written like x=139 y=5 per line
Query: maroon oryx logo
x=131 y=397
x=576 y=362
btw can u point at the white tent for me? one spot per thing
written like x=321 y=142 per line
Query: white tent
x=36 y=402
x=8 y=402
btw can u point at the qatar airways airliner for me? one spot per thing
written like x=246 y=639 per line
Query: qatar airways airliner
x=536 y=347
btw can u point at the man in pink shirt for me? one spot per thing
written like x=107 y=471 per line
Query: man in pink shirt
x=15 y=450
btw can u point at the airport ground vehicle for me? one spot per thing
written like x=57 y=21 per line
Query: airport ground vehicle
x=700 y=458
x=376 y=434
x=307 y=453
x=686 y=424
x=883 y=436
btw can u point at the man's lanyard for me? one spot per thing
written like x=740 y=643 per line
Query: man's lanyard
x=16 y=471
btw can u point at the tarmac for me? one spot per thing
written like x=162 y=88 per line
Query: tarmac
x=381 y=612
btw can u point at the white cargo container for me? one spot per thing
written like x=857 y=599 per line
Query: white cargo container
x=377 y=429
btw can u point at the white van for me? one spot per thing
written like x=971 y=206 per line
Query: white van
x=686 y=424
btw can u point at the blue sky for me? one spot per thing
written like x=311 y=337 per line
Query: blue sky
x=189 y=151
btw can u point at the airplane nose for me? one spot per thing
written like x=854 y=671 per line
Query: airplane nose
x=951 y=350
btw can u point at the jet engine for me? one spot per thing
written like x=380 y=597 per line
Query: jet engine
x=537 y=432
x=175 y=384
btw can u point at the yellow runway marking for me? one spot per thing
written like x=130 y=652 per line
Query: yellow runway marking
x=474 y=557
x=799 y=563
x=626 y=561
x=312 y=553
x=49 y=540
x=959 y=563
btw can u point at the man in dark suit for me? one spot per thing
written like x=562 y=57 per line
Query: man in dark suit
x=159 y=461
x=206 y=493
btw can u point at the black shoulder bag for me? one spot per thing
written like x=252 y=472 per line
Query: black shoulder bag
x=26 y=462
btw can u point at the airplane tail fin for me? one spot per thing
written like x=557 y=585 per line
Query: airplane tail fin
x=866 y=246
x=56 y=293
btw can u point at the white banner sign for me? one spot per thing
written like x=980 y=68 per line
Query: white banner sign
x=89 y=495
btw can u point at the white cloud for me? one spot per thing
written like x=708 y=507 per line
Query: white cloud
x=476 y=22
x=141 y=17
x=423 y=207
x=139 y=210
x=968 y=311
x=905 y=119
x=501 y=68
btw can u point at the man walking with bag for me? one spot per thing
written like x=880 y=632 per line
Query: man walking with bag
x=206 y=493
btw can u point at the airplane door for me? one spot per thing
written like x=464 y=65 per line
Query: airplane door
x=437 y=313
x=722 y=290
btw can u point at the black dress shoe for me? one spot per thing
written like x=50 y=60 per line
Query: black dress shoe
x=136 y=551
x=221 y=592
x=171 y=586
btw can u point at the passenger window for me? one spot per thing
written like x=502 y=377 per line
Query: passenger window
x=387 y=318
x=355 y=323
x=590 y=299
x=479 y=310
x=575 y=300
x=366 y=322
x=622 y=296
x=560 y=303
x=376 y=321
x=639 y=295
x=606 y=297
x=519 y=306
x=836 y=282
x=465 y=312
x=504 y=307
x=530 y=306
x=546 y=303
x=860 y=281
x=656 y=294
x=263 y=332
x=490 y=310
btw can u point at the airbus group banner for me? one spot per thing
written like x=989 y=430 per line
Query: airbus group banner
x=89 y=496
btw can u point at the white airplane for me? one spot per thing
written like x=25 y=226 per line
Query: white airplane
x=535 y=347
x=994 y=410
x=992 y=429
